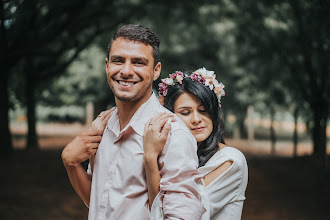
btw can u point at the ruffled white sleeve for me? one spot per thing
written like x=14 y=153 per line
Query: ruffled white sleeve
x=230 y=186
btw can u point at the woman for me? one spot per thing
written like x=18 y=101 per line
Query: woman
x=195 y=99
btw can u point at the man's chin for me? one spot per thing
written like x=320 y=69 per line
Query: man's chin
x=125 y=98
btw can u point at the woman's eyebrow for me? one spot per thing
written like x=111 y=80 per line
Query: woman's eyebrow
x=183 y=107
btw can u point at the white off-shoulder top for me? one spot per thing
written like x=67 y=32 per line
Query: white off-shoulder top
x=223 y=197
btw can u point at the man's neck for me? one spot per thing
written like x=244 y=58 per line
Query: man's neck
x=126 y=110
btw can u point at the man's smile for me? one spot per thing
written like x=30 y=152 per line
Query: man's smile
x=126 y=83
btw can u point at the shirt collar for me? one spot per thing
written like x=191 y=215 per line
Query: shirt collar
x=147 y=110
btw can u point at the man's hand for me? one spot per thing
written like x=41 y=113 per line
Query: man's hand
x=81 y=148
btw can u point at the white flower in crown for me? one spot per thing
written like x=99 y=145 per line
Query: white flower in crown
x=168 y=81
x=219 y=90
x=205 y=73
x=201 y=75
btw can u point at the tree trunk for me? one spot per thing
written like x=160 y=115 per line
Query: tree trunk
x=6 y=144
x=272 y=131
x=32 y=138
x=240 y=121
x=320 y=113
x=295 y=133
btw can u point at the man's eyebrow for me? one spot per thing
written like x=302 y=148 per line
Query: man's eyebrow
x=145 y=60
x=116 y=57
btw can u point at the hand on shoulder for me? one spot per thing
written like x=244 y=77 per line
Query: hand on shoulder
x=102 y=119
x=81 y=148
x=155 y=134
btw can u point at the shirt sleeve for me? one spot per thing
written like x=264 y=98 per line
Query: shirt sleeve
x=89 y=169
x=181 y=182
x=226 y=187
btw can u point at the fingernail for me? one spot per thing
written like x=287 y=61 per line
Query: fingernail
x=169 y=121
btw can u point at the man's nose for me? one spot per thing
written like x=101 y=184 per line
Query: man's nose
x=127 y=70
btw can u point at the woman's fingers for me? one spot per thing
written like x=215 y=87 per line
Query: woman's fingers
x=166 y=129
x=159 y=121
x=153 y=120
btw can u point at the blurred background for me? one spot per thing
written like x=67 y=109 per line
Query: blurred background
x=272 y=56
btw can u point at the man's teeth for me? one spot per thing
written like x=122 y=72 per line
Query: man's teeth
x=126 y=83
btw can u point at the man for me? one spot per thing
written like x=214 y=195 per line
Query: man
x=116 y=188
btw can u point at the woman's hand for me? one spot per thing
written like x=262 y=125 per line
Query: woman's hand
x=102 y=119
x=155 y=134
x=154 y=139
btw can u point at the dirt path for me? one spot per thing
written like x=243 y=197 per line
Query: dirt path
x=34 y=185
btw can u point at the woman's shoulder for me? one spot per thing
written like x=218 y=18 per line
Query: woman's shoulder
x=227 y=153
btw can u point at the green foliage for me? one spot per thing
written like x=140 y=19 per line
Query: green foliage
x=84 y=81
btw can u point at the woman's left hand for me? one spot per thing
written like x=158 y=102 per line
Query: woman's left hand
x=155 y=134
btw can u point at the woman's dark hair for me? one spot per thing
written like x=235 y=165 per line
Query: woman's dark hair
x=209 y=100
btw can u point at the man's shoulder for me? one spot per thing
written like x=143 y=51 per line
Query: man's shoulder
x=179 y=125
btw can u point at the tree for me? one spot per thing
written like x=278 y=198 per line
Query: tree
x=298 y=33
x=44 y=37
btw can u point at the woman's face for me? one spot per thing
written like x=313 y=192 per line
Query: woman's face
x=194 y=115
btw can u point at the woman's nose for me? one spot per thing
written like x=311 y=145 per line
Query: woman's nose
x=196 y=118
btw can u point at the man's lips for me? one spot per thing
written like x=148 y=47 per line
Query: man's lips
x=126 y=83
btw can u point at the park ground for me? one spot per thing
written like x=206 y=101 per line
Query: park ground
x=34 y=184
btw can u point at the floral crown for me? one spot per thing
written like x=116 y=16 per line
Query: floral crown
x=201 y=75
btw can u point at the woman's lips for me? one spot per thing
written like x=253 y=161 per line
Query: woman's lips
x=198 y=129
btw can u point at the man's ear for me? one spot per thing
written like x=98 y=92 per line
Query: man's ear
x=157 y=70
x=106 y=62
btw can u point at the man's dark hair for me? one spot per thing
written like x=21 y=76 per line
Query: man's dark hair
x=136 y=32
x=209 y=100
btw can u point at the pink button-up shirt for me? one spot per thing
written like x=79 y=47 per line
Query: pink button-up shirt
x=119 y=186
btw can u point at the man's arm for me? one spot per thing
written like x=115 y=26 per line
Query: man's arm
x=181 y=181
x=76 y=152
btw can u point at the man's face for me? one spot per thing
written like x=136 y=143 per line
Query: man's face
x=130 y=70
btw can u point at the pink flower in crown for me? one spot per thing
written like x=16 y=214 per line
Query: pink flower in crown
x=172 y=76
x=194 y=76
x=179 y=73
x=201 y=80
x=179 y=78
x=202 y=75
x=165 y=92
x=162 y=88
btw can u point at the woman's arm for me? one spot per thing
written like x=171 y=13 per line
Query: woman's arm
x=154 y=139
x=153 y=178
x=227 y=182
x=217 y=172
